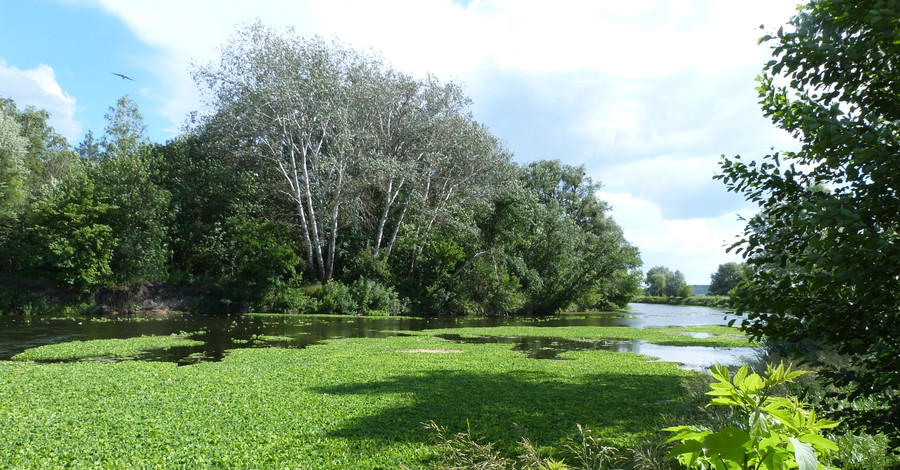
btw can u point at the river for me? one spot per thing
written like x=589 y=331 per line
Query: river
x=222 y=333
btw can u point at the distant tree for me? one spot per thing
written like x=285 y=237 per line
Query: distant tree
x=824 y=249
x=676 y=286
x=660 y=281
x=89 y=148
x=725 y=278
x=656 y=280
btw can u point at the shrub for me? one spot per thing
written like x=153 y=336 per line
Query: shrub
x=337 y=299
x=373 y=297
x=291 y=300
x=775 y=433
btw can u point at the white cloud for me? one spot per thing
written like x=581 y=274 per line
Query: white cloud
x=678 y=186
x=695 y=246
x=38 y=87
x=629 y=40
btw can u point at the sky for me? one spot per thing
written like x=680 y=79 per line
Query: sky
x=646 y=94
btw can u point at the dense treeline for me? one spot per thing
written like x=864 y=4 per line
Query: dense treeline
x=321 y=180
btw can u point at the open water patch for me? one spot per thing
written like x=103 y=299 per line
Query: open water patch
x=690 y=357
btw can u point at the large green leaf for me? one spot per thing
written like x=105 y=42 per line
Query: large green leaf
x=804 y=454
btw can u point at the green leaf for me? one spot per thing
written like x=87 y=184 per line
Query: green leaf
x=689 y=446
x=785 y=417
x=741 y=375
x=819 y=442
x=722 y=373
x=687 y=433
x=759 y=427
x=804 y=455
x=729 y=443
x=752 y=384
x=724 y=402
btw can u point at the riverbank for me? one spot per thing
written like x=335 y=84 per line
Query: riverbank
x=714 y=301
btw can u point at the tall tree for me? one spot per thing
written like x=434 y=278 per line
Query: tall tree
x=47 y=157
x=824 y=250
x=576 y=249
x=289 y=100
x=357 y=145
x=139 y=208
x=65 y=237
x=663 y=282
x=13 y=173
x=725 y=278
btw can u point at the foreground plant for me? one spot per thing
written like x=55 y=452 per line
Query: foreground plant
x=465 y=451
x=778 y=432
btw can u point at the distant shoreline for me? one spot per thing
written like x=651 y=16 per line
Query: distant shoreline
x=716 y=301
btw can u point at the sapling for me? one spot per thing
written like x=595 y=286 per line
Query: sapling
x=775 y=433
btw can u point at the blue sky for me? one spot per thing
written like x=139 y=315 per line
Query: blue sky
x=647 y=94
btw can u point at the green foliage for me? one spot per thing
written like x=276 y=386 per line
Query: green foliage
x=824 y=250
x=350 y=403
x=290 y=299
x=47 y=158
x=726 y=278
x=17 y=300
x=662 y=282
x=126 y=179
x=32 y=155
x=337 y=299
x=261 y=257
x=206 y=192
x=13 y=172
x=575 y=249
x=374 y=298
x=775 y=432
x=104 y=348
x=546 y=244
x=65 y=237
x=361 y=297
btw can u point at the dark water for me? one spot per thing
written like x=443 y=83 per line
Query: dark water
x=220 y=334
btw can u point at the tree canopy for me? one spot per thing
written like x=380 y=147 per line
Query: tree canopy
x=824 y=250
x=319 y=180
x=661 y=281
x=726 y=278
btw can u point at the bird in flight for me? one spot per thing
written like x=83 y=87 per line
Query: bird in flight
x=124 y=77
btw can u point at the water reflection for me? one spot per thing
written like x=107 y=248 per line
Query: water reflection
x=219 y=334
x=690 y=357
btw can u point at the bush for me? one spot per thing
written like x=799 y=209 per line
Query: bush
x=291 y=300
x=374 y=298
x=362 y=297
x=772 y=432
x=337 y=299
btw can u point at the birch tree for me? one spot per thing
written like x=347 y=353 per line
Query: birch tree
x=289 y=100
x=355 y=142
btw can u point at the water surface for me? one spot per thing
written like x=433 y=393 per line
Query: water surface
x=220 y=334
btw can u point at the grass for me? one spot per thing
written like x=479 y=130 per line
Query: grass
x=348 y=403
x=116 y=348
x=722 y=336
